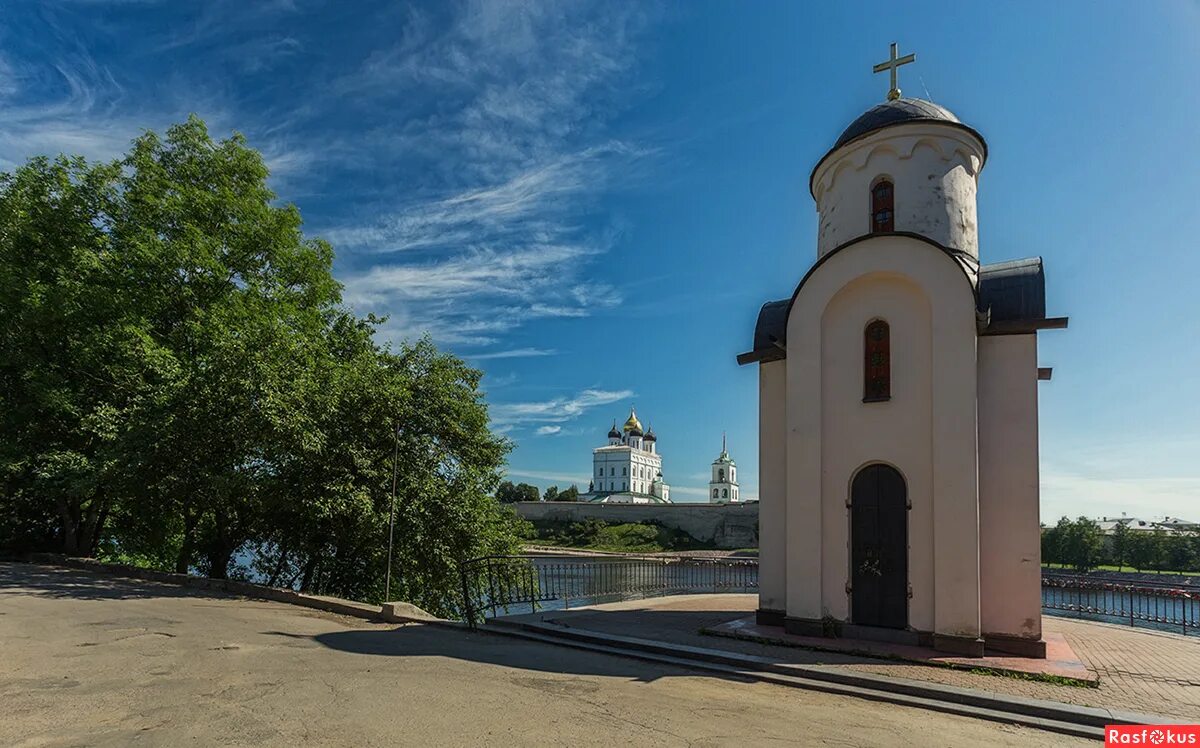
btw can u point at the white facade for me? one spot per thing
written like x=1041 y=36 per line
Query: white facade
x=723 y=488
x=935 y=169
x=628 y=469
x=951 y=442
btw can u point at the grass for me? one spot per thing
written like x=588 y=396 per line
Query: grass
x=593 y=535
x=1126 y=568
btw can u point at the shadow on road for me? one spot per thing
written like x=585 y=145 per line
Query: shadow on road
x=421 y=640
x=53 y=581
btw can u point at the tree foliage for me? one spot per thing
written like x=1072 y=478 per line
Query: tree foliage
x=180 y=385
x=507 y=493
x=1080 y=544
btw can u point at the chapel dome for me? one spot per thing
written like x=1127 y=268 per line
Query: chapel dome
x=896 y=112
x=613 y=433
x=633 y=424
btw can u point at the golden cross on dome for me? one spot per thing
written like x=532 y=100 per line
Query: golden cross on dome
x=892 y=65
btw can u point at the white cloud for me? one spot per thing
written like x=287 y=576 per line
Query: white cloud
x=556 y=410
x=515 y=353
x=562 y=478
x=508 y=158
x=548 y=430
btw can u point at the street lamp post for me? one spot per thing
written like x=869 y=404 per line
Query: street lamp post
x=387 y=584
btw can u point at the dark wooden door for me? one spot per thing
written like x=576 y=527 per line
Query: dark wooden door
x=879 y=548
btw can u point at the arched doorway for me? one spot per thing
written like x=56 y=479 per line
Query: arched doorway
x=879 y=548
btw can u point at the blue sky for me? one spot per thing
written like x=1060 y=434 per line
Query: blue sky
x=590 y=201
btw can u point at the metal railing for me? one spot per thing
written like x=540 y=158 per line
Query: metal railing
x=499 y=585
x=1160 y=606
x=496 y=584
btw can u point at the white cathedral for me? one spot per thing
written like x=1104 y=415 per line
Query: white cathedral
x=628 y=470
x=898 y=403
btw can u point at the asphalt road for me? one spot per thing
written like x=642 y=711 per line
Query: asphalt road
x=89 y=660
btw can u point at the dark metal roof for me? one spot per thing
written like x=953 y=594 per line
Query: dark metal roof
x=898 y=112
x=1013 y=290
x=895 y=113
x=770 y=333
x=1010 y=298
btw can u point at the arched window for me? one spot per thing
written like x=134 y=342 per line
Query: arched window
x=724 y=493
x=714 y=493
x=721 y=475
x=883 y=214
x=877 y=362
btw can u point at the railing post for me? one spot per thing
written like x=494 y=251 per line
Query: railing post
x=1131 y=606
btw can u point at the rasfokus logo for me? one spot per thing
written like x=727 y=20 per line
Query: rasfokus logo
x=1152 y=735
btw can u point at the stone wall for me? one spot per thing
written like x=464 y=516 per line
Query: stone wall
x=727 y=526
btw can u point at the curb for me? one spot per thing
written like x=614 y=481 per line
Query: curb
x=394 y=612
x=1047 y=715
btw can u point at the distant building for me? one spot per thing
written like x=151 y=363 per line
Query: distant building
x=1169 y=525
x=723 y=488
x=628 y=470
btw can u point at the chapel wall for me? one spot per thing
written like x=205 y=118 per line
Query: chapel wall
x=927 y=431
x=1010 y=537
x=772 y=480
x=934 y=169
x=898 y=432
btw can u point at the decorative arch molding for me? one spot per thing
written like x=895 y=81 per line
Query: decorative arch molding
x=958 y=257
x=947 y=143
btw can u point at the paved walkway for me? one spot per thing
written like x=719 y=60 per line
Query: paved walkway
x=88 y=660
x=1140 y=670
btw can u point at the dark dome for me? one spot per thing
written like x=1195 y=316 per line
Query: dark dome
x=895 y=113
x=614 y=434
x=898 y=112
x=650 y=437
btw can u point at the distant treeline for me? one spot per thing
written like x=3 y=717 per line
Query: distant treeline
x=1079 y=544
x=181 y=386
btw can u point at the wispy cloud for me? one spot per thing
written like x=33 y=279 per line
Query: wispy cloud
x=555 y=411
x=548 y=430
x=562 y=478
x=509 y=155
x=515 y=353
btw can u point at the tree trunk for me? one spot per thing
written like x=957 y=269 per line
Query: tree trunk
x=70 y=528
x=310 y=566
x=218 y=562
x=183 y=561
x=274 y=580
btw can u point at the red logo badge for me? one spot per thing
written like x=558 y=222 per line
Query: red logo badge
x=1151 y=735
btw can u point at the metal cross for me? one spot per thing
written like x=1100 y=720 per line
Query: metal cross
x=892 y=65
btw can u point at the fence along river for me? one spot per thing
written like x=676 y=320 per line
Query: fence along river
x=500 y=585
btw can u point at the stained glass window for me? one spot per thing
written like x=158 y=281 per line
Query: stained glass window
x=883 y=214
x=877 y=363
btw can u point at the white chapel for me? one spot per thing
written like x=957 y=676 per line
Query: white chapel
x=898 y=403
x=628 y=469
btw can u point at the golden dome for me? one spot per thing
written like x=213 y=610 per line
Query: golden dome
x=633 y=422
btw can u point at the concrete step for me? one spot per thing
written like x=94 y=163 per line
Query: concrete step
x=1056 y=717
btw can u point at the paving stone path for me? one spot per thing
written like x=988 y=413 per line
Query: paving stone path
x=1140 y=670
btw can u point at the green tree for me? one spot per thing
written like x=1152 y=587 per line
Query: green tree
x=1052 y=543
x=508 y=493
x=1081 y=543
x=1179 y=552
x=1120 y=544
x=570 y=494
x=1142 y=551
x=551 y=494
x=181 y=386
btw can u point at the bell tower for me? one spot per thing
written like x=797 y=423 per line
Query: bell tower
x=723 y=488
